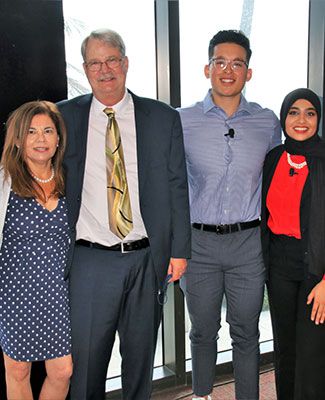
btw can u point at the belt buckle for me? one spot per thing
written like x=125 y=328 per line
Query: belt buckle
x=219 y=229
x=124 y=250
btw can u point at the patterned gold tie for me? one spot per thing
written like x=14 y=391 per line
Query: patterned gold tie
x=119 y=205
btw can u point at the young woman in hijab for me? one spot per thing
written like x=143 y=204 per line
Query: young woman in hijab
x=293 y=239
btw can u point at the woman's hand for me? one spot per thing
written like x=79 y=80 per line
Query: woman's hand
x=318 y=296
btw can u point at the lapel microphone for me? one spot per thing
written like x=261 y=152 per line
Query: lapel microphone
x=231 y=133
x=292 y=172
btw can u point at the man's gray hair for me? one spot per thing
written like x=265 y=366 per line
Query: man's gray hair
x=108 y=36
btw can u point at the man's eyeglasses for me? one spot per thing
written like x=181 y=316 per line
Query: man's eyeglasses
x=220 y=64
x=111 y=62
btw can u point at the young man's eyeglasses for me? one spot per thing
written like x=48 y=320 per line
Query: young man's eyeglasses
x=111 y=62
x=220 y=64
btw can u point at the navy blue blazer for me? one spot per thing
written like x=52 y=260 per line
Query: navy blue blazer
x=163 y=189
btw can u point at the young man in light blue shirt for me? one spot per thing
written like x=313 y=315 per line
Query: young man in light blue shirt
x=226 y=139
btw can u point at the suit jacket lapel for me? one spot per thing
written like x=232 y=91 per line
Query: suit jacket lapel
x=77 y=148
x=142 y=114
x=82 y=125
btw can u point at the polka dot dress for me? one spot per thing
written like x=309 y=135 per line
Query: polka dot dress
x=34 y=307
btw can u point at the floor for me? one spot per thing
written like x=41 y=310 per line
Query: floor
x=223 y=391
x=224 y=341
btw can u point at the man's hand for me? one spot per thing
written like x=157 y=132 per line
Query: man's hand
x=318 y=296
x=177 y=267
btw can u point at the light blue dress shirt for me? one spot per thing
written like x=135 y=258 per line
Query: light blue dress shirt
x=224 y=173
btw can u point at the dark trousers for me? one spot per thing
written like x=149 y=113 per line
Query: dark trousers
x=299 y=344
x=113 y=292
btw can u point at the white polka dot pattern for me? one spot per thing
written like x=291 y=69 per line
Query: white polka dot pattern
x=34 y=306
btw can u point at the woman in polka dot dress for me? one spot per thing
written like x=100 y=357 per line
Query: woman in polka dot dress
x=34 y=241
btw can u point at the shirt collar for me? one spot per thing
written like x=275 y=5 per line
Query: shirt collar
x=119 y=107
x=208 y=105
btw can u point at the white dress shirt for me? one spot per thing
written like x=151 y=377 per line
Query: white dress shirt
x=93 y=224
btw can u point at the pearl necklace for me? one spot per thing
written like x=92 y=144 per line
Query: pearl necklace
x=44 y=180
x=295 y=165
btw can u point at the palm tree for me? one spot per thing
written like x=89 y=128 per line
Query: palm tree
x=246 y=20
x=75 y=30
x=247 y=17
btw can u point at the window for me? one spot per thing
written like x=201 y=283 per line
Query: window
x=278 y=32
x=121 y=16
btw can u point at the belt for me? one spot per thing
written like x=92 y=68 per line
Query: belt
x=223 y=229
x=123 y=247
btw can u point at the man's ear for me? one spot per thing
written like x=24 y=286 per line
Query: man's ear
x=126 y=64
x=249 y=74
x=207 y=71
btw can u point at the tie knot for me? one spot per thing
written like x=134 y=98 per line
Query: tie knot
x=109 y=112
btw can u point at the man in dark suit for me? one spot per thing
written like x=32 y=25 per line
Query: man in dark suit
x=117 y=274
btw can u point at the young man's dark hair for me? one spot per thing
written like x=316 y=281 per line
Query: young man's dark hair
x=230 y=36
